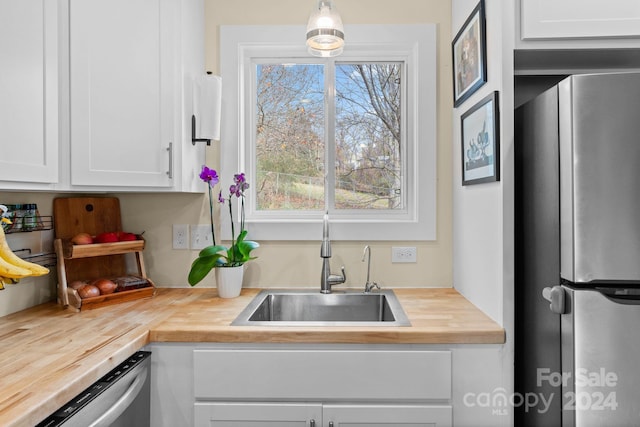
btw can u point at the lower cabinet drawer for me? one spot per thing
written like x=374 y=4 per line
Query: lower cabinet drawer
x=246 y=414
x=387 y=415
x=322 y=374
x=256 y=414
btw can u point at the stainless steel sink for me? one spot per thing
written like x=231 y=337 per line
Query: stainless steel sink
x=311 y=308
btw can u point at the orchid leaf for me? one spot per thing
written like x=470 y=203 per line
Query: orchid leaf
x=211 y=250
x=245 y=247
x=200 y=267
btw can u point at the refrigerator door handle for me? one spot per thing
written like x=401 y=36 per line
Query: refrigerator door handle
x=555 y=295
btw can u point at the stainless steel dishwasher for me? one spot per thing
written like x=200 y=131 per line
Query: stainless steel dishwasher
x=119 y=399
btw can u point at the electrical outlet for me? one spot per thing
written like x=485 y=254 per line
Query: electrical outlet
x=403 y=254
x=201 y=236
x=180 y=236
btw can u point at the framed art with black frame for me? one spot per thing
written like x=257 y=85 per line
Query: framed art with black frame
x=470 y=56
x=480 y=139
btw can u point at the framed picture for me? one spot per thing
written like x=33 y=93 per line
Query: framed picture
x=470 y=56
x=481 y=142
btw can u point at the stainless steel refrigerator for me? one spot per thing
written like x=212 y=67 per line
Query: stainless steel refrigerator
x=577 y=283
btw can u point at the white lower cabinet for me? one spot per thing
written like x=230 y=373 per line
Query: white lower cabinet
x=327 y=385
x=322 y=387
x=248 y=414
x=321 y=374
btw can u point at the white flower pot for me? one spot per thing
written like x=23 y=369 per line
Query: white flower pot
x=229 y=281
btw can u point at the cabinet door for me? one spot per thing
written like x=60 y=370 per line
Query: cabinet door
x=171 y=384
x=122 y=80
x=551 y=19
x=386 y=416
x=258 y=415
x=29 y=91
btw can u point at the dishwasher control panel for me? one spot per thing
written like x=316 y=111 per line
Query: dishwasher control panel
x=93 y=392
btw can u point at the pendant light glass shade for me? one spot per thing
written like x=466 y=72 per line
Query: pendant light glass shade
x=325 y=33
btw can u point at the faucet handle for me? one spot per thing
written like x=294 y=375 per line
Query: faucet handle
x=370 y=286
x=335 y=279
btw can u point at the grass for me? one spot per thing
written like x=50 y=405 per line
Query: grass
x=310 y=196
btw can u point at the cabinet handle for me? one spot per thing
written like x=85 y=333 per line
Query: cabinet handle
x=170 y=150
x=312 y=423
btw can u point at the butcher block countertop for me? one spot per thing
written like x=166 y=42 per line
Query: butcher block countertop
x=48 y=354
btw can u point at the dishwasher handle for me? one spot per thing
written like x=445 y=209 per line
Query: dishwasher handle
x=123 y=402
x=556 y=296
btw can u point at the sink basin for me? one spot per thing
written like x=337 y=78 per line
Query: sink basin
x=311 y=308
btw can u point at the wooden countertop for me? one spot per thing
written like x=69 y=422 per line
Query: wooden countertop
x=438 y=316
x=48 y=355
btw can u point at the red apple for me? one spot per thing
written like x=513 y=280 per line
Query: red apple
x=124 y=236
x=108 y=237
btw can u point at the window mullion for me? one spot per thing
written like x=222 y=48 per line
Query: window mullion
x=330 y=134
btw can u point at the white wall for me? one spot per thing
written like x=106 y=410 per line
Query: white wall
x=291 y=263
x=29 y=291
x=298 y=263
x=482 y=240
x=483 y=250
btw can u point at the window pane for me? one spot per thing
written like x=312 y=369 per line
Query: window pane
x=290 y=137
x=368 y=143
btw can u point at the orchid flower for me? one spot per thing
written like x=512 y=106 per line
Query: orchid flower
x=218 y=255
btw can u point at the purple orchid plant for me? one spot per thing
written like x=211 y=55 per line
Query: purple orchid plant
x=219 y=255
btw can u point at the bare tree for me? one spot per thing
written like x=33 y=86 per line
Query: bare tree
x=290 y=134
x=369 y=121
x=289 y=127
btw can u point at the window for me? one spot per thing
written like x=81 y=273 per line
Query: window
x=352 y=135
x=292 y=147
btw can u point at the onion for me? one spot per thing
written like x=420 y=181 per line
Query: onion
x=105 y=286
x=76 y=284
x=89 y=291
x=82 y=239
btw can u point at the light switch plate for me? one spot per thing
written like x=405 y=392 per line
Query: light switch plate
x=201 y=236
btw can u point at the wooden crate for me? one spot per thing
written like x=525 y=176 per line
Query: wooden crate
x=66 y=251
x=93 y=215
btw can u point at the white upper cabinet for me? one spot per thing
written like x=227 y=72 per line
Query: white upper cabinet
x=122 y=79
x=28 y=93
x=543 y=19
x=95 y=95
x=578 y=23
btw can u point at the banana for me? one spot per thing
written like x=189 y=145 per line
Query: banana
x=12 y=271
x=8 y=258
x=7 y=281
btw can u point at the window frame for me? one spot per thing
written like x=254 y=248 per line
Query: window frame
x=415 y=46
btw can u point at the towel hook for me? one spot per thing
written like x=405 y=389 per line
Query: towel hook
x=193 y=133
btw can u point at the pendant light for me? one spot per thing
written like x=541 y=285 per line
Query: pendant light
x=325 y=33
